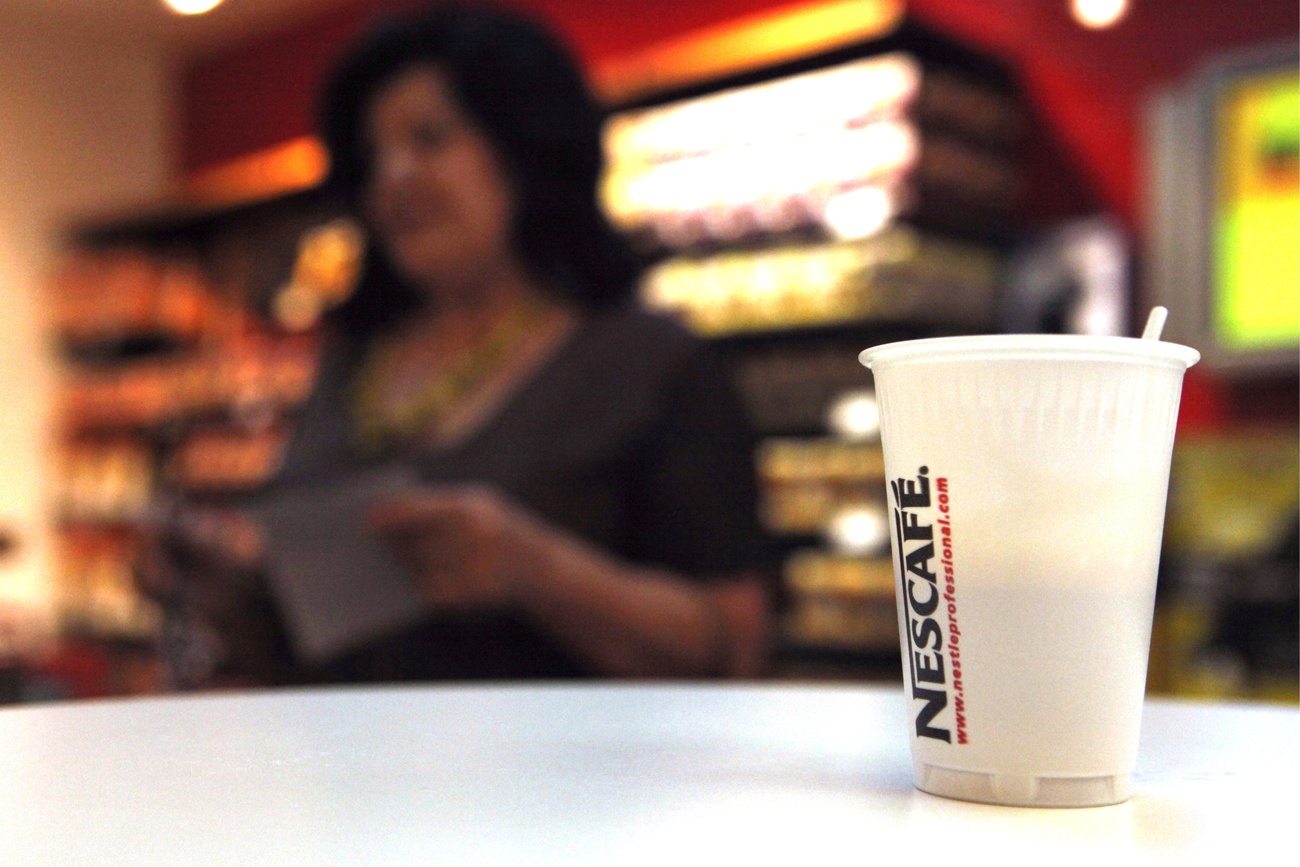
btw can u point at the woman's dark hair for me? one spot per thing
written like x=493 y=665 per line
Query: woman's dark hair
x=524 y=91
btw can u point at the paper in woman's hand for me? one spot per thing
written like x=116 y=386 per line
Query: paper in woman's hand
x=337 y=584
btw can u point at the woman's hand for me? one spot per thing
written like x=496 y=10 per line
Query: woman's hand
x=203 y=555
x=474 y=550
x=468 y=547
x=202 y=565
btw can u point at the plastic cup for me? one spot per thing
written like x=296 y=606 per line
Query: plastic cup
x=1027 y=484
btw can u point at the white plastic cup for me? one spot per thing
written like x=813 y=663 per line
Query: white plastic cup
x=1027 y=484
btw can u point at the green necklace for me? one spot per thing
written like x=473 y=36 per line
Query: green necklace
x=381 y=423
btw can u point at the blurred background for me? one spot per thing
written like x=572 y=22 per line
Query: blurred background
x=810 y=178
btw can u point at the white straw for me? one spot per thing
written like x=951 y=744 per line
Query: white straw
x=1155 y=323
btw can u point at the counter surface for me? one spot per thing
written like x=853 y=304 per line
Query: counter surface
x=610 y=775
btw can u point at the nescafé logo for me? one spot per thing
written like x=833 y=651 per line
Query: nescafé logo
x=919 y=587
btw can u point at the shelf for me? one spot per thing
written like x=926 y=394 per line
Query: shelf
x=173 y=381
x=182 y=218
x=871 y=634
x=819 y=574
x=120 y=529
x=109 y=350
x=897 y=277
x=224 y=462
x=851 y=333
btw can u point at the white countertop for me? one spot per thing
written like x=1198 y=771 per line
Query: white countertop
x=609 y=775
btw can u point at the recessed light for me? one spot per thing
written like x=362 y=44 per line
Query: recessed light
x=192 y=7
x=1098 y=14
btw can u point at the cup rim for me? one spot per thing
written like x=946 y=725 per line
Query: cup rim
x=1036 y=347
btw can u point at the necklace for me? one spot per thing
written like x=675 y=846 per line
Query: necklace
x=382 y=421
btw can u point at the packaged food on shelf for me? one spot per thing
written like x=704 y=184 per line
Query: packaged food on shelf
x=815 y=572
x=186 y=305
x=842 y=149
x=105 y=482
x=119 y=294
x=805 y=483
x=966 y=175
x=261 y=372
x=104 y=295
x=177 y=377
x=154 y=391
x=839 y=602
x=96 y=585
x=844 y=96
x=226 y=460
x=897 y=276
x=132 y=395
x=845 y=624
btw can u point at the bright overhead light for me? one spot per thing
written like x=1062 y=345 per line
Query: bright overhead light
x=192 y=7
x=1097 y=14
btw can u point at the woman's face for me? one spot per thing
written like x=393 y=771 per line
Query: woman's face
x=438 y=199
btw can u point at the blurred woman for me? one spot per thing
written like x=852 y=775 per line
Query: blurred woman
x=585 y=502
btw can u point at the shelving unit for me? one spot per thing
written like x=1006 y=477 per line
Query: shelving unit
x=176 y=379
x=798 y=214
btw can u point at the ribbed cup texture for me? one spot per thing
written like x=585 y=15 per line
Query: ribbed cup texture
x=1061 y=410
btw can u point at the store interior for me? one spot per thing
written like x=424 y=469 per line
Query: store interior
x=998 y=166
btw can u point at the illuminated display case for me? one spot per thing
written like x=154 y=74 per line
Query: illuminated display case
x=839 y=149
x=870 y=185
x=796 y=215
x=171 y=382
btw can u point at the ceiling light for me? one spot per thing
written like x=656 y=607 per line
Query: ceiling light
x=1096 y=14
x=192 y=7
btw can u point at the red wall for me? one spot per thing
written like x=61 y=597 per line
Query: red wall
x=1090 y=85
x=1086 y=90
x=262 y=93
x=1087 y=86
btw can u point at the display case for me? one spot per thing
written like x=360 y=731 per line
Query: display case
x=796 y=215
x=187 y=342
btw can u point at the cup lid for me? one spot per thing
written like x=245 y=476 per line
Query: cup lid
x=1038 y=347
